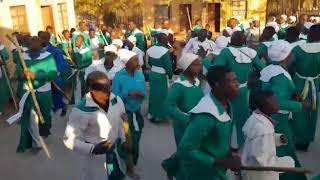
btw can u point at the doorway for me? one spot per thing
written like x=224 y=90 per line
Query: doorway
x=183 y=16
x=47 y=17
x=214 y=16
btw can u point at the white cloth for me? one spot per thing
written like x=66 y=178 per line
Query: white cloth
x=308 y=25
x=260 y=148
x=125 y=55
x=117 y=42
x=186 y=60
x=293 y=19
x=193 y=46
x=140 y=55
x=274 y=25
x=86 y=129
x=231 y=31
x=94 y=43
x=132 y=39
x=111 y=48
x=221 y=43
x=97 y=65
x=243 y=54
x=271 y=71
x=298 y=43
x=279 y=50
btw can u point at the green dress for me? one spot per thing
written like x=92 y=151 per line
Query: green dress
x=306 y=69
x=242 y=61
x=278 y=80
x=207 y=137
x=153 y=33
x=161 y=70
x=4 y=90
x=262 y=50
x=282 y=31
x=45 y=71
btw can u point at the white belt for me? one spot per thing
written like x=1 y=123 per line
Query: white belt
x=46 y=87
x=157 y=69
x=243 y=85
x=309 y=80
x=135 y=122
x=283 y=112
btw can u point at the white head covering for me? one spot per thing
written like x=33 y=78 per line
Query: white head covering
x=279 y=50
x=255 y=18
x=308 y=25
x=111 y=48
x=312 y=18
x=221 y=42
x=285 y=17
x=317 y=20
x=117 y=42
x=132 y=39
x=186 y=60
x=237 y=18
x=274 y=25
x=165 y=31
x=293 y=18
x=125 y=55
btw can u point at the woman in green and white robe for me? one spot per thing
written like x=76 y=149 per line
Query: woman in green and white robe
x=43 y=67
x=275 y=78
x=242 y=60
x=4 y=90
x=161 y=71
x=306 y=70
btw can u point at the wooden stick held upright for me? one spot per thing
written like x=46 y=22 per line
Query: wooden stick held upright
x=29 y=82
x=66 y=52
x=277 y=169
x=189 y=18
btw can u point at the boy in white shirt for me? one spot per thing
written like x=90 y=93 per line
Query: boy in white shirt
x=261 y=140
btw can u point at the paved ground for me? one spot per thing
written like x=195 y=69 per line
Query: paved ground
x=157 y=143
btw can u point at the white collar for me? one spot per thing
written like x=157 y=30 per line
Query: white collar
x=206 y=105
x=298 y=43
x=271 y=71
x=311 y=47
x=243 y=54
x=1 y=47
x=251 y=128
x=187 y=83
x=267 y=43
x=90 y=102
x=157 y=51
x=42 y=56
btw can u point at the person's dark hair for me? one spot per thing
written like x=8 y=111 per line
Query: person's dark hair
x=80 y=36
x=217 y=74
x=92 y=81
x=238 y=38
x=65 y=31
x=112 y=55
x=40 y=33
x=48 y=27
x=91 y=29
x=267 y=34
x=292 y=34
x=160 y=37
x=72 y=30
x=261 y=97
x=314 y=33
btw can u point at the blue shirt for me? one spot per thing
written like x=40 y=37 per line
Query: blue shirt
x=123 y=82
x=58 y=56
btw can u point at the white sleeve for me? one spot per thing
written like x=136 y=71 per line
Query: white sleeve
x=264 y=152
x=189 y=46
x=121 y=132
x=73 y=137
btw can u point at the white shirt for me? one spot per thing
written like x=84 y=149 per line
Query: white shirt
x=97 y=65
x=260 y=148
x=193 y=46
x=140 y=55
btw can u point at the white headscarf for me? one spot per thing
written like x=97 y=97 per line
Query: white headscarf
x=279 y=50
x=117 y=42
x=111 y=48
x=317 y=20
x=132 y=39
x=308 y=25
x=125 y=55
x=255 y=18
x=285 y=17
x=274 y=25
x=293 y=18
x=221 y=42
x=186 y=60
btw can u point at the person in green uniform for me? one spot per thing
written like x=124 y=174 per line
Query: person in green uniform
x=106 y=32
x=293 y=37
x=204 y=150
x=82 y=31
x=274 y=77
x=305 y=76
x=283 y=26
x=198 y=26
x=96 y=42
x=161 y=71
x=53 y=40
x=41 y=69
x=133 y=30
x=242 y=60
x=183 y=95
x=82 y=59
x=154 y=31
x=266 y=40
x=4 y=90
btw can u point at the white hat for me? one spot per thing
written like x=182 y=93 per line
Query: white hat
x=293 y=18
x=186 y=60
x=132 y=39
x=279 y=50
x=125 y=55
x=255 y=18
x=221 y=42
x=237 y=18
x=111 y=48
x=284 y=16
x=308 y=25
x=165 y=31
x=274 y=25
x=117 y=42
x=312 y=18
x=317 y=20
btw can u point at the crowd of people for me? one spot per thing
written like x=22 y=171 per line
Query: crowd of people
x=248 y=97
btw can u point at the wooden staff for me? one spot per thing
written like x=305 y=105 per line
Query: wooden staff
x=189 y=18
x=29 y=82
x=104 y=39
x=9 y=84
x=278 y=169
x=66 y=52
x=32 y=92
x=60 y=90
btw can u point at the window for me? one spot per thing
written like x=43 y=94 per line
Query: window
x=63 y=15
x=19 y=18
x=239 y=8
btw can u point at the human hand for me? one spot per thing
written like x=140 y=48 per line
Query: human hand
x=102 y=147
x=232 y=162
x=29 y=74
